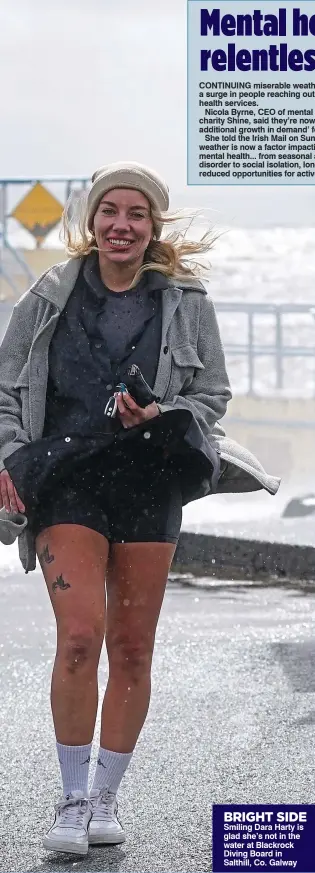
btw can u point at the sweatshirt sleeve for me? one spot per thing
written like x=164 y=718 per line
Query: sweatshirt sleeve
x=208 y=395
x=14 y=351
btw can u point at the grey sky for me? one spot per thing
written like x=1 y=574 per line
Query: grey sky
x=87 y=83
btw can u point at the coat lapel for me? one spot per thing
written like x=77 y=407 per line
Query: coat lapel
x=56 y=285
x=55 y=288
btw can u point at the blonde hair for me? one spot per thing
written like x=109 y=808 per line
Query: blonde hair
x=173 y=255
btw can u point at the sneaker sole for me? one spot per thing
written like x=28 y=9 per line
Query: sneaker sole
x=95 y=840
x=60 y=846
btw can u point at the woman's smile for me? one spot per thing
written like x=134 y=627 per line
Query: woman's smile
x=122 y=212
x=119 y=243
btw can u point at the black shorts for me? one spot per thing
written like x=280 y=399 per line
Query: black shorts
x=127 y=493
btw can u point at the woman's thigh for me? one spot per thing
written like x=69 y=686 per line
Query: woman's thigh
x=136 y=580
x=73 y=559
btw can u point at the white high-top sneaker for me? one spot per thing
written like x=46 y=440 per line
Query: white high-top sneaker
x=104 y=826
x=69 y=833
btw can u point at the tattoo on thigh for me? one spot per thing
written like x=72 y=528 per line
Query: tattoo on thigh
x=60 y=583
x=45 y=556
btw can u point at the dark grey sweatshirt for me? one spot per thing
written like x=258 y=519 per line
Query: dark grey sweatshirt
x=99 y=334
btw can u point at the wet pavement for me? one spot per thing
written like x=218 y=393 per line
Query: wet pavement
x=231 y=720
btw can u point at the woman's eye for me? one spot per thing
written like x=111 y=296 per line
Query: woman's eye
x=107 y=210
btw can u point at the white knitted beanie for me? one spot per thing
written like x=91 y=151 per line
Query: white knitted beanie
x=128 y=174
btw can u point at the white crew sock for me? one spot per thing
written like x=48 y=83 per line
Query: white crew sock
x=74 y=765
x=110 y=769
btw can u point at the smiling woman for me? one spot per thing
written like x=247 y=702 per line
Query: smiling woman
x=102 y=496
x=122 y=227
x=173 y=256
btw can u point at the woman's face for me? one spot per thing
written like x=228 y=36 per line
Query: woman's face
x=123 y=226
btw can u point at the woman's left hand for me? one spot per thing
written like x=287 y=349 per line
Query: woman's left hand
x=130 y=413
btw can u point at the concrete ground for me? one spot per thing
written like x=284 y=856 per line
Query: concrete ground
x=231 y=720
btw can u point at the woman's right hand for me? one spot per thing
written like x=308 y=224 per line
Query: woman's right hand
x=9 y=497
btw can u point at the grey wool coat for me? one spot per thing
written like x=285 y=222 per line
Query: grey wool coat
x=191 y=375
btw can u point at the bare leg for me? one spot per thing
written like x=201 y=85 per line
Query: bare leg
x=74 y=559
x=136 y=580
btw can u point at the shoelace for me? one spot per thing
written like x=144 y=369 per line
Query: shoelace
x=73 y=809
x=105 y=806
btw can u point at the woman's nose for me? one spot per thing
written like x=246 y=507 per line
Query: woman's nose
x=121 y=222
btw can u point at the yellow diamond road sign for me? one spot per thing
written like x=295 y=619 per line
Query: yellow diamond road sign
x=38 y=212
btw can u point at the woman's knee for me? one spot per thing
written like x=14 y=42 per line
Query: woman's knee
x=79 y=645
x=129 y=654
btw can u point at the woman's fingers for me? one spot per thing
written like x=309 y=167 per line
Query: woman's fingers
x=129 y=402
x=20 y=504
x=5 y=500
x=9 y=497
x=132 y=414
x=12 y=496
x=128 y=410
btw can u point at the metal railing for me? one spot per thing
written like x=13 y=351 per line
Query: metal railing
x=254 y=343
x=249 y=349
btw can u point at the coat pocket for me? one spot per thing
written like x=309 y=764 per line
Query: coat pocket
x=185 y=365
